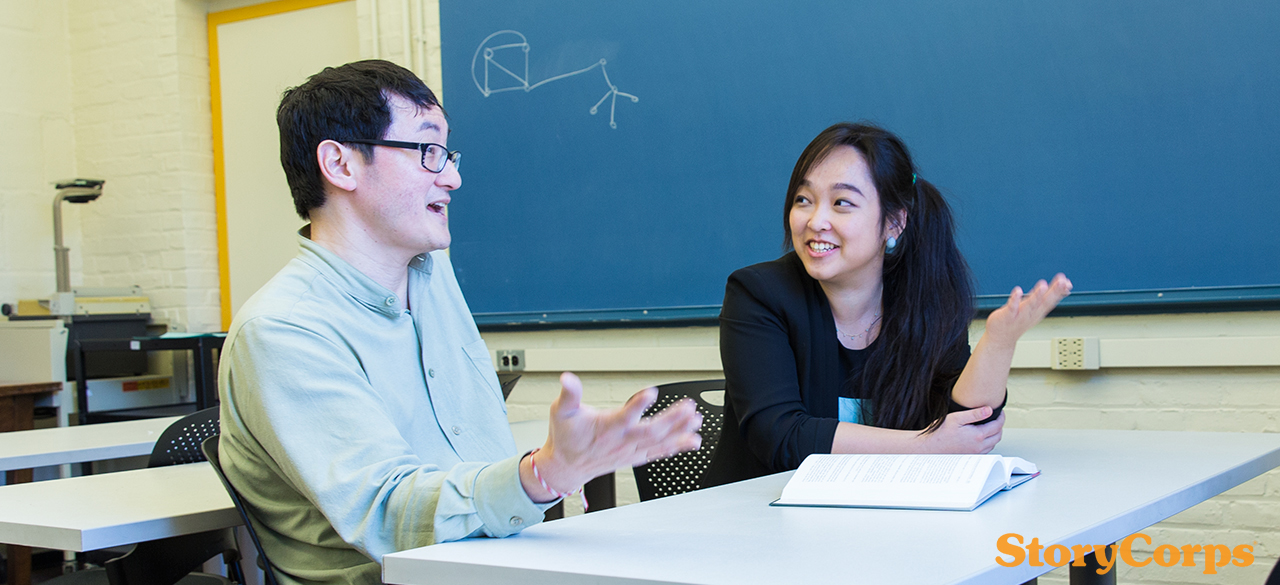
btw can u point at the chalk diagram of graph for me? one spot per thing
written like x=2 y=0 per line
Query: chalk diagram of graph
x=505 y=67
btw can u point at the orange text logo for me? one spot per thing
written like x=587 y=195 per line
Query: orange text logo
x=1216 y=556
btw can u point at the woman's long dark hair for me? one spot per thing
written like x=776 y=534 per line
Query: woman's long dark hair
x=928 y=292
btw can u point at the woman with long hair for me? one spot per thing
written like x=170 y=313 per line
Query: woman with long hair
x=857 y=339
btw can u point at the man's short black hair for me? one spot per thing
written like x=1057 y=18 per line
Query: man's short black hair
x=339 y=103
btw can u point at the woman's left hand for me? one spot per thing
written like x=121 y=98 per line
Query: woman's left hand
x=1006 y=324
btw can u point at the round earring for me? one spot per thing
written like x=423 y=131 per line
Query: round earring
x=890 y=245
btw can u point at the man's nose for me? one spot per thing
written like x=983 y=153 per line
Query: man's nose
x=449 y=178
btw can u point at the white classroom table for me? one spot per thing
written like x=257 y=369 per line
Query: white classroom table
x=112 y=509
x=78 y=444
x=1097 y=487
x=97 y=442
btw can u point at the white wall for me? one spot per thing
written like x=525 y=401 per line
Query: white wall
x=259 y=58
x=38 y=147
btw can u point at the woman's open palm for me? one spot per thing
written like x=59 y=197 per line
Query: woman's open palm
x=1023 y=311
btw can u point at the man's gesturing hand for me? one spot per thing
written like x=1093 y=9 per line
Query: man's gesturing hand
x=584 y=442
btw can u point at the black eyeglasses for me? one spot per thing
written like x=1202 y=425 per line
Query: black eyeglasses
x=434 y=156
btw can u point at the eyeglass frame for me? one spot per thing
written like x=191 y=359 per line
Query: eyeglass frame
x=450 y=156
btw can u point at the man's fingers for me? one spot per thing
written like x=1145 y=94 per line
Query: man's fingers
x=673 y=430
x=673 y=446
x=570 y=395
x=638 y=403
x=681 y=417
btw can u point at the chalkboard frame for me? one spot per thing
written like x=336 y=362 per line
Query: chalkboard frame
x=1137 y=302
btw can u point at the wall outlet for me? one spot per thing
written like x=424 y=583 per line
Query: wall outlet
x=1074 y=353
x=510 y=360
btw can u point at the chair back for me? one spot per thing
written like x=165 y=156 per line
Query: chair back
x=180 y=443
x=508 y=383
x=682 y=472
x=170 y=560
x=210 y=449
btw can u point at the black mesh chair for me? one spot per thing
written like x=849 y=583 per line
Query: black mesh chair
x=169 y=561
x=683 y=472
x=210 y=449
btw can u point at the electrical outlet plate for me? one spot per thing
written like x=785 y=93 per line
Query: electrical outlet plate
x=1074 y=353
x=510 y=360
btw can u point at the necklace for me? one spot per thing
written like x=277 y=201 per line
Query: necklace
x=864 y=333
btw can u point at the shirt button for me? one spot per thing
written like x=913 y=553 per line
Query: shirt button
x=457 y=430
x=516 y=520
x=431 y=373
x=391 y=301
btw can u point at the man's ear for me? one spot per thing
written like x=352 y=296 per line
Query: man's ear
x=338 y=164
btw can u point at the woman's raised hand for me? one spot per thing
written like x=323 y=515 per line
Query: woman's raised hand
x=1007 y=324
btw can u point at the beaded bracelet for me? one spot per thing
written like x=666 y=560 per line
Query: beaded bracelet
x=534 y=464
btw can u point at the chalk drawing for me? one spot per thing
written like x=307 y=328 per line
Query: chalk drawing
x=500 y=71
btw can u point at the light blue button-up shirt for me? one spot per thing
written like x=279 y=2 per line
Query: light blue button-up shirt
x=353 y=427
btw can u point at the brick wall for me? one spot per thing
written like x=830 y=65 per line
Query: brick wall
x=140 y=97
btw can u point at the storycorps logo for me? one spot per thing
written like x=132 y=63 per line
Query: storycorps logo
x=1013 y=553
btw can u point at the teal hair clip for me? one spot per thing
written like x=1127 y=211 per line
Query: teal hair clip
x=913 y=178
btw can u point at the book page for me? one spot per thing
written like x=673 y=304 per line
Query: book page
x=899 y=470
x=912 y=481
x=938 y=482
x=1017 y=465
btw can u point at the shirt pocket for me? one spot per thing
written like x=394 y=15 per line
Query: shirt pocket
x=478 y=352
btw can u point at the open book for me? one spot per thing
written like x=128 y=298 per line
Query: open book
x=931 y=482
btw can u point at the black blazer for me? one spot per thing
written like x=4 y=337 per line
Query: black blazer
x=782 y=372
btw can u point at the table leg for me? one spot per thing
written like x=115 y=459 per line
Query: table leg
x=82 y=383
x=1088 y=574
x=201 y=363
x=17 y=414
x=601 y=494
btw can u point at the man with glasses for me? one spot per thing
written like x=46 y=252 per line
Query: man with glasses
x=360 y=411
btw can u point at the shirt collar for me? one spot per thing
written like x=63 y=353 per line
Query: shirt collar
x=351 y=280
